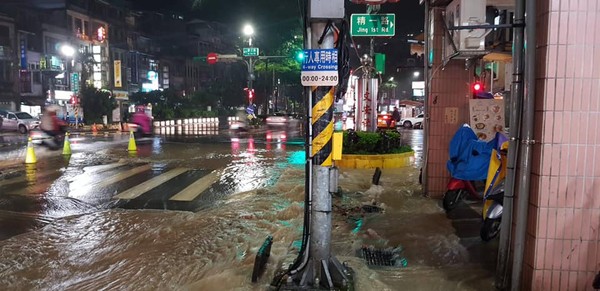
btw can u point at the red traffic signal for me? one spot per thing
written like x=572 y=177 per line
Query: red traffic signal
x=73 y=100
x=250 y=93
x=477 y=87
x=212 y=58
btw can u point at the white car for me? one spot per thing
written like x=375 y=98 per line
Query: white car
x=412 y=122
x=18 y=121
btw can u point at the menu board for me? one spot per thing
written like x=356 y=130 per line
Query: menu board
x=487 y=117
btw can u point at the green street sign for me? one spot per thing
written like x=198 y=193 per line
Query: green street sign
x=373 y=24
x=75 y=82
x=250 y=52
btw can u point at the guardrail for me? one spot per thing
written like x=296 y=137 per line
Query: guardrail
x=207 y=121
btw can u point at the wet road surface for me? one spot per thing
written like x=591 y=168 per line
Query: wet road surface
x=98 y=220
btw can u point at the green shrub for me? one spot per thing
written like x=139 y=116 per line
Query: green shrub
x=364 y=143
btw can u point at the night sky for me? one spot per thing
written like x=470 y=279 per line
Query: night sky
x=409 y=13
x=273 y=19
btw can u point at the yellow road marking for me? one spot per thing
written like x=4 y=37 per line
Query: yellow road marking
x=140 y=189
x=195 y=189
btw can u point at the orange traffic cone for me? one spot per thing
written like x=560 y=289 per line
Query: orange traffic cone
x=94 y=129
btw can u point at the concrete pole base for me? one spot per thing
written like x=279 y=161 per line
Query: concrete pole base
x=323 y=275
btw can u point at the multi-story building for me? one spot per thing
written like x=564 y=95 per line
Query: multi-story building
x=9 y=98
x=50 y=49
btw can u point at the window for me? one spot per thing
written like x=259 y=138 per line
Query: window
x=36 y=76
x=4 y=36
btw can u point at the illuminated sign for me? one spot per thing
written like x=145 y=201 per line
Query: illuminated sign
x=118 y=80
x=101 y=33
x=153 y=85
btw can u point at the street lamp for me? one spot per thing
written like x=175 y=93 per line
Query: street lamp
x=67 y=50
x=249 y=31
x=417 y=74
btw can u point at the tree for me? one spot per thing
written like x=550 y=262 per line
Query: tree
x=96 y=103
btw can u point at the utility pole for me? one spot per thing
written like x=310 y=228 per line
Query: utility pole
x=318 y=268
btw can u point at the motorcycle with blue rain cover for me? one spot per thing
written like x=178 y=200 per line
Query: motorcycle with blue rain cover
x=493 y=198
x=468 y=163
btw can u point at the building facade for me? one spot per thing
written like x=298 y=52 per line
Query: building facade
x=50 y=49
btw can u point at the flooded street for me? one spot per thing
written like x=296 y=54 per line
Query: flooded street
x=189 y=212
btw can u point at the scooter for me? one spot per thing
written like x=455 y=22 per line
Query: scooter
x=458 y=190
x=468 y=165
x=494 y=191
x=40 y=137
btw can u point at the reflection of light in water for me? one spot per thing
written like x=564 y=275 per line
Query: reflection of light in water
x=251 y=148
x=31 y=174
x=235 y=146
x=156 y=146
x=297 y=158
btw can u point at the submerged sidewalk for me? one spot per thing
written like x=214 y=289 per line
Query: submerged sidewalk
x=442 y=251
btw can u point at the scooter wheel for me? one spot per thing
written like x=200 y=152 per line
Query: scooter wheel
x=452 y=199
x=490 y=228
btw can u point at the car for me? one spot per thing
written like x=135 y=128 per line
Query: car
x=18 y=121
x=411 y=122
x=385 y=121
x=281 y=119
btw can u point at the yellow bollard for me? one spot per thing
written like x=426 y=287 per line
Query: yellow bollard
x=67 y=145
x=30 y=157
x=132 y=147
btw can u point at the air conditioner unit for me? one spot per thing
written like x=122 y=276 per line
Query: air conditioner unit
x=465 y=43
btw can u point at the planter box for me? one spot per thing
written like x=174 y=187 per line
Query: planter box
x=386 y=161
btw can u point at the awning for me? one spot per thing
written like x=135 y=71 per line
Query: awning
x=498 y=57
x=33 y=101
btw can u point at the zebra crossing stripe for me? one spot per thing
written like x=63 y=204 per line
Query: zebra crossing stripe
x=124 y=175
x=195 y=189
x=140 y=189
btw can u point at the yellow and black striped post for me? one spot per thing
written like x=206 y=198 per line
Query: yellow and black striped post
x=322 y=125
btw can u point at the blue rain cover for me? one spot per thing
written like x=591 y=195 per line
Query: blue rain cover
x=469 y=157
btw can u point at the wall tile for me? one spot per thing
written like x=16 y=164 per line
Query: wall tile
x=559 y=166
x=556 y=198
x=552 y=217
x=555 y=281
x=542 y=223
x=550 y=252
x=560 y=94
x=593 y=256
x=577 y=224
x=547 y=283
x=547 y=119
x=540 y=253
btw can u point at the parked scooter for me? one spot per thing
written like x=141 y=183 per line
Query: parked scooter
x=468 y=165
x=494 y=190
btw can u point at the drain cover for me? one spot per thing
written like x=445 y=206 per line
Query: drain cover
x=383 y=257
x=372 y=209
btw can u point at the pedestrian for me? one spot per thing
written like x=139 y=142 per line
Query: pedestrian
x=396 y=114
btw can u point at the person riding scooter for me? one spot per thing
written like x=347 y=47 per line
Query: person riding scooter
x=50 y=123
x=52 y=126
x=143 y=122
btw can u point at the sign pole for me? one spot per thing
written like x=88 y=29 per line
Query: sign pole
x=318 y=268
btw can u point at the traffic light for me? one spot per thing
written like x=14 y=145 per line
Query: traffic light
x=250 y=95
x=300 y=56
x=73 y=100
x=476 y=89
